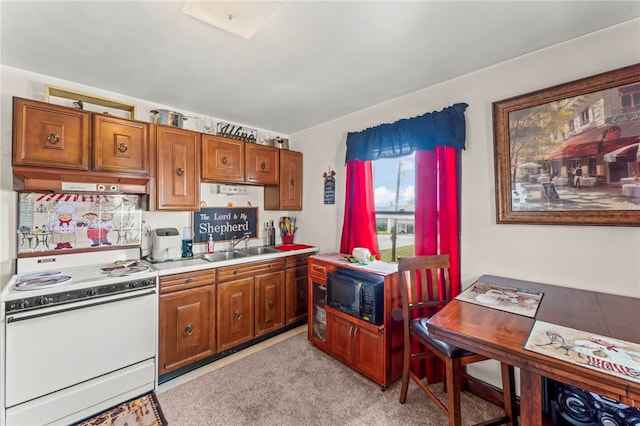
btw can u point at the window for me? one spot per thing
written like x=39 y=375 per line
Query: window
x=630 y=97
x=394 y=195
x=584 y=117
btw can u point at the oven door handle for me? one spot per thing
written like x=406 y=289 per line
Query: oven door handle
x=84 y=306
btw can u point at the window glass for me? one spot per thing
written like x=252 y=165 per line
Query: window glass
x=394 y=195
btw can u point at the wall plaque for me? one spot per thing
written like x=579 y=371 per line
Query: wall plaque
x=224 y=223
x=234 y=131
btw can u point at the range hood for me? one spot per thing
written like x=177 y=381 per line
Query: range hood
x=72 y=181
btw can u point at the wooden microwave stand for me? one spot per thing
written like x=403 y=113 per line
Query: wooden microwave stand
x=373 y=350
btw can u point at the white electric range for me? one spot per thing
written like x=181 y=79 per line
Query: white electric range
x=77 y=338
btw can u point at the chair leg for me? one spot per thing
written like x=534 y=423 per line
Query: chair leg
x=508 y=392
x=453 y=391
x=406 y=365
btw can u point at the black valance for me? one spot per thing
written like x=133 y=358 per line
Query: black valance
x=425 y=132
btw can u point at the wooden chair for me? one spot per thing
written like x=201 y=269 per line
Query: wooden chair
x=425 y=286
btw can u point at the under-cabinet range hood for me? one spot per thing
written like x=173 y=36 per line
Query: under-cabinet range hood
x=35 y=180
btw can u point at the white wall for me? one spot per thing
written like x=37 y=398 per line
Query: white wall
x=598 y=258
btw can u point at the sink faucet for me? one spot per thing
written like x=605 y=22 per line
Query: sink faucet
x=235 y=241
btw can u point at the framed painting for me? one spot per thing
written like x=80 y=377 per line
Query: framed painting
x=569 y=154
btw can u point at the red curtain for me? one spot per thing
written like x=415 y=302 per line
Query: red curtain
x=359 y=228
x=437 y=222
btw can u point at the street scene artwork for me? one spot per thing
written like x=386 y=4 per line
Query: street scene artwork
x=571 y=159
x=578 y=153
x=601 y=353
x=510 y=299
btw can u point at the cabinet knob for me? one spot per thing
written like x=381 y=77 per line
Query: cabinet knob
x=179 y=171
x=189 y=280
x=122 y=147
x=53 y=138
x=263 y=165
x=302 y=295
x=237 y=315
x=292 y=181
x=271 y=304
x=188 y=330
x=236 y=272
x=224 y=160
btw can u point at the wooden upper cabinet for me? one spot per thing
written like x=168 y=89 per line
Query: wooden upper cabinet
x=262 y=165
x=120 y=145
x=222 y=159
x=47 y=135
x=288 y=194
x=178 y=169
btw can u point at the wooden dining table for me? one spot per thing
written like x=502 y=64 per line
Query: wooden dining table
x=501 y=335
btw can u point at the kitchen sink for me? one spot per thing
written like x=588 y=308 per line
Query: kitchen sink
x=253 y=251
x=223 y=255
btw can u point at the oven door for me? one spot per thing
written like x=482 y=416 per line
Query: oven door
x=54 y=348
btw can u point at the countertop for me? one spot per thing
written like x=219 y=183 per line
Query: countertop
x=374 y=266
x=199 y=264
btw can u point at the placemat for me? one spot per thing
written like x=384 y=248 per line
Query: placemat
x=601 y=353
x=519 y=301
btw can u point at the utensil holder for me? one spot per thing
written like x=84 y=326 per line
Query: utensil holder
x=287 y=239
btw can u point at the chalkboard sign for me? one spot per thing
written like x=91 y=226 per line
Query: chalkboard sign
x=224 y=223
x=550 y=191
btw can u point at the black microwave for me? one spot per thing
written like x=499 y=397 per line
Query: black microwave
x=356 y=293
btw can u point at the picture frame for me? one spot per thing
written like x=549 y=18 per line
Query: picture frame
x=570 y=154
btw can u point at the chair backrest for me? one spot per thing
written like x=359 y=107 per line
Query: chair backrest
x=24 y=230
x=424 y=283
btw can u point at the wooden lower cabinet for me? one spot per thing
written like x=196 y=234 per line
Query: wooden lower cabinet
x=296 y=294
x=269 y=299
x=206 y=312
x=296 y=288
x=357 y=345
x=235 y=313
x=187 y=331
x=376 y=351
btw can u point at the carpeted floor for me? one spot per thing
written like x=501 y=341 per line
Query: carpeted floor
x=294 y=383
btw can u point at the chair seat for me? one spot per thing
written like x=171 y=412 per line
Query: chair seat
x=419 y=328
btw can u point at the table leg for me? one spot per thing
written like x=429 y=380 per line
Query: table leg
x=530 y=398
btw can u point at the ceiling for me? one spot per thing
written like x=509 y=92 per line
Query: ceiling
x=311 y=62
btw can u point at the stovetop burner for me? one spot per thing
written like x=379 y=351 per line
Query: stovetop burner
x=42 y=280
x=128 y=270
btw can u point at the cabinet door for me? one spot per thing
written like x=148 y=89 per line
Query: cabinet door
x=288 y=194
x=186 y=327
x=49 y=135
x=222 y=159
x=269 y=293
x=296 y=294
x=262 y=165
x=369 y=354
x=120 y=145
x=342 y=338
x=235 y=313
x=178 y=177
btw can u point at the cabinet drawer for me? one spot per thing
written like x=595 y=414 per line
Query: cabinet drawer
x=297 y=260
x=319 y=271
x=249 y=270
x=171 y=283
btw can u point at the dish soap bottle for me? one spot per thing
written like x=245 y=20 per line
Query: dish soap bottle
x=210 y=244
x=187 y=243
